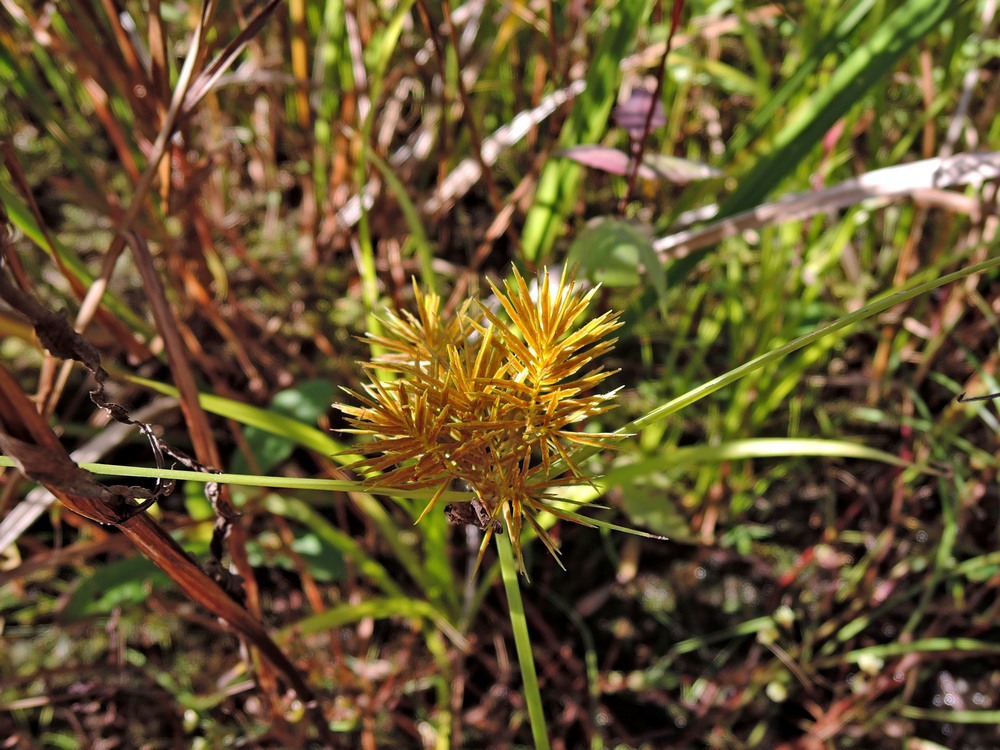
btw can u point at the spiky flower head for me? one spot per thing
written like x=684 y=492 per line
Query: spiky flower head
x=491 y=400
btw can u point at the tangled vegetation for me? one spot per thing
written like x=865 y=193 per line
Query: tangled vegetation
x=771 y=231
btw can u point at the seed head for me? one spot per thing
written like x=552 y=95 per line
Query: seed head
x=490 y=398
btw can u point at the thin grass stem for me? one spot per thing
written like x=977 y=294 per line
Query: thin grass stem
x=522 y=640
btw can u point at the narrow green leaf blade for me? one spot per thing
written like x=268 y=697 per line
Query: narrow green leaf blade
x=868 y=64
x=558 y=185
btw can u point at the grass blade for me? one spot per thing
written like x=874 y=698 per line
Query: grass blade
x=557 y=188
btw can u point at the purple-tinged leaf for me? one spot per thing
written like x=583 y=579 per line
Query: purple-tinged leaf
x=606 y=159
x=654 y=166
x=632 y=113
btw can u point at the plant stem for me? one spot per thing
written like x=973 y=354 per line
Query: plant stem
x=522 y=640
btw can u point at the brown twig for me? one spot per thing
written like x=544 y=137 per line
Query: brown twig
x=639 y=148
x=30 y=442
x=228 y=527
x=27 y=439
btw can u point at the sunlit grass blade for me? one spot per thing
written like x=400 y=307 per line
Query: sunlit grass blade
x=558 y=184
x=522 y=641
x=870 y=61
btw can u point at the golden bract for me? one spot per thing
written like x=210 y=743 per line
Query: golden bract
x=489 y=401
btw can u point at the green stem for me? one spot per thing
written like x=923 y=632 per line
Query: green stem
x=522 y=640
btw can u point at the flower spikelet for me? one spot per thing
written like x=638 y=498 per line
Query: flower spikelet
x=490 y=397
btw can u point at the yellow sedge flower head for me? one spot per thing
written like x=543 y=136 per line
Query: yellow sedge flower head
x=489 y=400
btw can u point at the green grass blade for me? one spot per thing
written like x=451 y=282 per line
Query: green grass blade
x=418 y=237
x=869 y=63
x=557 y=187
x=711 y=386
x=379 y=609
x=950 y=646
x=278 y=424
x=255 y=480
x=522 y=641
x=735 y=450
x=798 y=81
x=950 y=716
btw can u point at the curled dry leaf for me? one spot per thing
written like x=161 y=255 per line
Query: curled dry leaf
x=653 y=167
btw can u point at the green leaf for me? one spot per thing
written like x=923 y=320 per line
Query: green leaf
x=302 y=434
x=305 y=403
x=647 y=504
x=118 y=584
x=612 y=252
x=324 y=561
x=609 y=251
